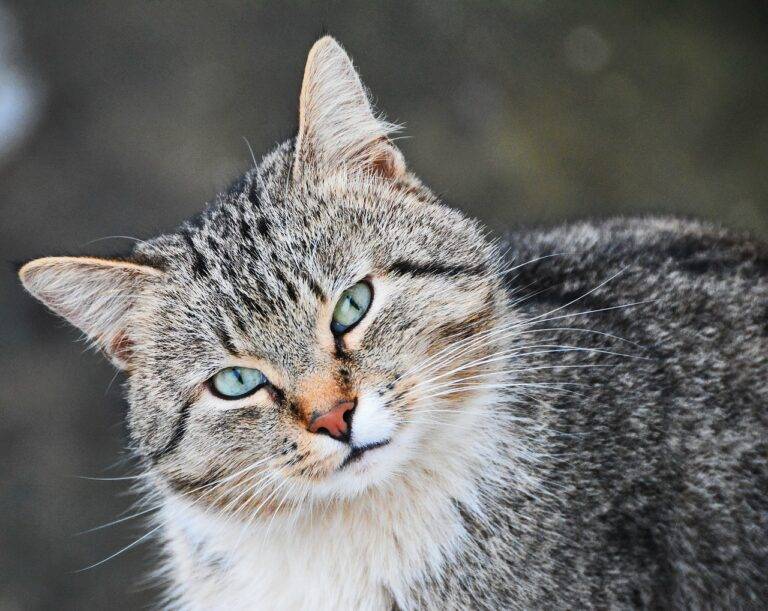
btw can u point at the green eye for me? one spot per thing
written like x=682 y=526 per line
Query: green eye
x=351 y=307
x=237 y=382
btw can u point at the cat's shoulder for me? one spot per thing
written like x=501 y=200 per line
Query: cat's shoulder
x=678 y=249
x=697 y=269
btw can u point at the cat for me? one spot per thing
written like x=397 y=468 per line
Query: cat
x=346 y=395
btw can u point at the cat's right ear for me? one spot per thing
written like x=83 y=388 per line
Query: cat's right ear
x=93 y=294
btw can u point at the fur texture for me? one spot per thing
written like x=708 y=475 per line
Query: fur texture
x=577 y=419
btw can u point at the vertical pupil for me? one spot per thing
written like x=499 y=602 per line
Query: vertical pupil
x=238 y=376
x=353 y=303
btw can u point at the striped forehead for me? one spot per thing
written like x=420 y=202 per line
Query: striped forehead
x=251 y=269
x=262 y=258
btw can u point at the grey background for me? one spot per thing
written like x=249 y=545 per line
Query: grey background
x=518 y=112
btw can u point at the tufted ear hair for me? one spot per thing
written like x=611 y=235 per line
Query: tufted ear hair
x=337 y=125
x=93 y=294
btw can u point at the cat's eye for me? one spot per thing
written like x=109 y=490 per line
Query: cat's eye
x=351 y=307
x=237 y=382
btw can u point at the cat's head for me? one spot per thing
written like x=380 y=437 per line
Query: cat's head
x=323 y=328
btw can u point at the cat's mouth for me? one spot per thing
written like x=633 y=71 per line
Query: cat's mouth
x=357 y=452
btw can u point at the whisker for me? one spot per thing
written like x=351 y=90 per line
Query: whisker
x=253 y=157
x=113 y=479
x=119 y=521
x=121 y=551
x=485 y=335
x=504 y=355
x=115 y=237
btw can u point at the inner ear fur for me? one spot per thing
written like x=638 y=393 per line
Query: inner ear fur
x=93 y=294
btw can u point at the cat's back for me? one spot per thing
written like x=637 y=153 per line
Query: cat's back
x=675 y=254
x=662 y=423
x=660 y=282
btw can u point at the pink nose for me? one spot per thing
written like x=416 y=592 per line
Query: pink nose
x=336 y=423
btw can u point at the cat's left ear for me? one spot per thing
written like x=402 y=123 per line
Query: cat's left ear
x=337 y=125
x=96 y=295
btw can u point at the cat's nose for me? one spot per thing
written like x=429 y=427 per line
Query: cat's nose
x=336 y=423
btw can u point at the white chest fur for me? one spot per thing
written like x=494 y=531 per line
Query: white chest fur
x=363 y=554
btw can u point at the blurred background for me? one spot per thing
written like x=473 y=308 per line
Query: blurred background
x=123 y=118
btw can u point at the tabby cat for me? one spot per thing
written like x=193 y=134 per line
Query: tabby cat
x=346 y=395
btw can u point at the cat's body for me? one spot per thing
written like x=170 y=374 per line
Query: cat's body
x=657 y=467
x=578 y=423
x=646 y=482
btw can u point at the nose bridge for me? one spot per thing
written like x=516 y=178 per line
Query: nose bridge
x=320 y=393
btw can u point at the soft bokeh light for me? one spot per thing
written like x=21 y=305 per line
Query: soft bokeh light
x=19 y=94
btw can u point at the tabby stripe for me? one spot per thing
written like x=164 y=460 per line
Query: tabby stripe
x=199 y=266
x=315 y=288
x=178 y=434
x=290 y=289
x=245 y=229
x=434 y=269
x=263 y=227
x=253 y=306
x=340 y=351
x=226 y=339
x=191 y=485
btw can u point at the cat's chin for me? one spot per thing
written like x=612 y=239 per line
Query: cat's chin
x=358 y=474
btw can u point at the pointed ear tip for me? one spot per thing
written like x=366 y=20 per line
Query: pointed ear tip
x=326 y=41
x=33 y=276
x=26 y=269
x=327 y=47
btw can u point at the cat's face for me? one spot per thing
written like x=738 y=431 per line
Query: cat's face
x=318 y=331
x=259 y=292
